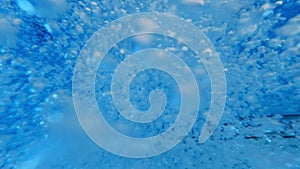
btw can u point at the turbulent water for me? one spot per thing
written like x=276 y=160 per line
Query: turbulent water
x=258 y=43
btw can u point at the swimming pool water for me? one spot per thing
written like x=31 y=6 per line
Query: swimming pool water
x=258 y=43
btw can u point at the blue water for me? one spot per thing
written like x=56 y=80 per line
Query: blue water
x=258 y=43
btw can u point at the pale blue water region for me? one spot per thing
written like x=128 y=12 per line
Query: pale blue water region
x=258 y=43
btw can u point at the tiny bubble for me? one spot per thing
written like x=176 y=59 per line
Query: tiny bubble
x=189 y=20
x=122 y=51
x=48 y=28
x=38 y=109
x=267 y=13
x=279 y=2
x=54 y=96
x=184 y=48
x=26 y=6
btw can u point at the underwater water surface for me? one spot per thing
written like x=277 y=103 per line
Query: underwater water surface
x=258 y=43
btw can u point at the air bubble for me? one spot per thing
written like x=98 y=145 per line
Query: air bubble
x=26 y=6
x=54 y=96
